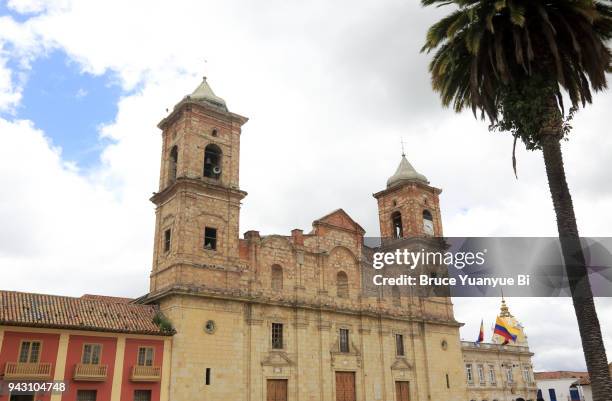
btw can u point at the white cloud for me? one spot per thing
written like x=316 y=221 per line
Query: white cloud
x=81 y=93
x=330 y=88
x=61 y=230
x=26 y=6
x=9 y=94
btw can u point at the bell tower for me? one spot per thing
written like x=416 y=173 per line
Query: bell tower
x=198 y=201
x=409 y=206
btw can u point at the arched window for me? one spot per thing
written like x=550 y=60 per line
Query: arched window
x=277 y=278
x=396 y=223
x=395 y=294
x=173 y=163
x=212 y=161
x=342 y=285
x=428 y=226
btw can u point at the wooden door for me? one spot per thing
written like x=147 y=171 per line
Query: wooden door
x=402 y=391
x=345 y=386
x=277 y=390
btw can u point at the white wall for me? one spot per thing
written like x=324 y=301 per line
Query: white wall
x=561 y=386
x=586 y=392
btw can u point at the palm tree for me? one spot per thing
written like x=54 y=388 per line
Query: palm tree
x=513 y=62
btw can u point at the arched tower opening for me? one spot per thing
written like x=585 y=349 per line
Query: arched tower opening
x=173 y=163
x=212 y=161
x=428 y=225
x=396 y=224
x=342 y=285
x=277 y=278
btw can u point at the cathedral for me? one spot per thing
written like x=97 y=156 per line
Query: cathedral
x=257 y=317
x=283 y=317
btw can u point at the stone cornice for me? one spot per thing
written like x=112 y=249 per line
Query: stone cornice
x=242 y=296
x=195 y=183
x=467 y=346
x=210 y=110
x=426 y=187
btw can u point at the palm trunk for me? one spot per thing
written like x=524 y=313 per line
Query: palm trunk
x=584 y=306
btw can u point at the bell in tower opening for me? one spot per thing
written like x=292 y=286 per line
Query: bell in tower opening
x=212 y=161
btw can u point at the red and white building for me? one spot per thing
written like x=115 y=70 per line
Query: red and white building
x=102 y=348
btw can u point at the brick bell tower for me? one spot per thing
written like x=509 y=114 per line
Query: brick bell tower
x=409 y=206
x=198 y=201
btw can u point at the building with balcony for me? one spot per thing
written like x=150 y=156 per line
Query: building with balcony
x=103 y=348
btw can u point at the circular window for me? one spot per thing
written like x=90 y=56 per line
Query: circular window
x=210 y=326
x=444 y=344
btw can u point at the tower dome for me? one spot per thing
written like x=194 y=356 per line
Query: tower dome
x=204 y=93
x=405 y=173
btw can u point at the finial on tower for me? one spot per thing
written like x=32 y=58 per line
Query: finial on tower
x=402 y=142
x=504 y=311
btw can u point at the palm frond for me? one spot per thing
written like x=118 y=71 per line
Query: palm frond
x=486 y=45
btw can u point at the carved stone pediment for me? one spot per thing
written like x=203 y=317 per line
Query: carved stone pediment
x=401 y=364
x=351 y=359
x=277 y=358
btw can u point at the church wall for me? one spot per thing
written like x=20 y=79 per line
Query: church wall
x=194 y=350
x=311 y=335
x=443 y=354
x=240 y=353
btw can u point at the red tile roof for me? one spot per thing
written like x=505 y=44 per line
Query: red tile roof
x=563 y=374
x=107 y=298
x=585 y=381
x=86 y=313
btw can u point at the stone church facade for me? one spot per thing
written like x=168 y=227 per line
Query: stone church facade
x=283 y=317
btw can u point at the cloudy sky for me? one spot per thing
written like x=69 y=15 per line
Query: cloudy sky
x=330 y=87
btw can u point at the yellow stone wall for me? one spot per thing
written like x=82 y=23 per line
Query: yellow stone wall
x=241 y=357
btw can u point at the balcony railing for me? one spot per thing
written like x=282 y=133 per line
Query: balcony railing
x=497 y=347
x=89 y=372
x=25 y=371
x=145 y=373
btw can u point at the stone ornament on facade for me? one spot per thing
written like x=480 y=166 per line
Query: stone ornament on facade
x=210 y=326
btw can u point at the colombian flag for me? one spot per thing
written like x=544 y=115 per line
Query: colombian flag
x=503 y=329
